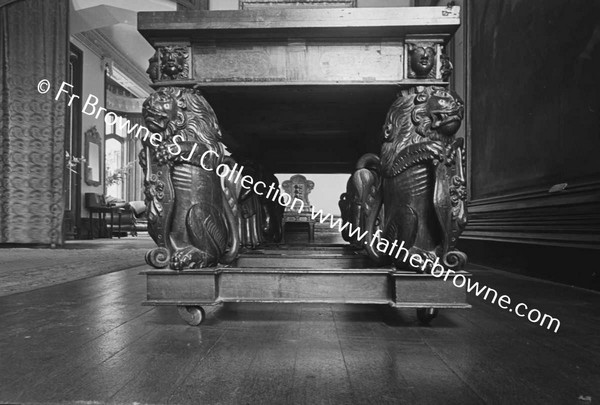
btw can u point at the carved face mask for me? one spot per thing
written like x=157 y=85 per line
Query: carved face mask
x=172 y=60
x=421 y=60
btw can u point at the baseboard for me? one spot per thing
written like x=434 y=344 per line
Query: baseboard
x=569 y=218
x=567 y=265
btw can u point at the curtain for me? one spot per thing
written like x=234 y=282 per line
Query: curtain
x=33 y=46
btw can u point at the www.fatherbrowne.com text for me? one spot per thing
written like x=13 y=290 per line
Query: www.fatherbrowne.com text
x=437 y=270
x=395 y=249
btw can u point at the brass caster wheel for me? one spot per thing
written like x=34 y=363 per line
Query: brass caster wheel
x=191 y=314
x=426 y=315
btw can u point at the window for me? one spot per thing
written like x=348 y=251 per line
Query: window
x=123 y=175
x=115 y=179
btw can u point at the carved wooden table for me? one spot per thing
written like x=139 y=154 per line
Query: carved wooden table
x=273 y=78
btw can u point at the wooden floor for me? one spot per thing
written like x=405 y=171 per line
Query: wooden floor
x=26 y=269
x=90 y=340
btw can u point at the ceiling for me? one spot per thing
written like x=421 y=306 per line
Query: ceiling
x=116 y=22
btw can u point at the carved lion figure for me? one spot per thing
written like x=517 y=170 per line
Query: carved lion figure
x=190 y=217
x=423 y=187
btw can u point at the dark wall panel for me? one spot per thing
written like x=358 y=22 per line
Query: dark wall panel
x=535 y=95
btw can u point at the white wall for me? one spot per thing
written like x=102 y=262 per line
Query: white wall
x=326 y=194
x=223 y=5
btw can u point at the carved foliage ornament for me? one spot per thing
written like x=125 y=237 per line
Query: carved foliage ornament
x=170 y=62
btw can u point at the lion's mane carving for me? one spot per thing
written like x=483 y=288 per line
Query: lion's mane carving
x=172 y=111
x=423 y=187
x=189 y=217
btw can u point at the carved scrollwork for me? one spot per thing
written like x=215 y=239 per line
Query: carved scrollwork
x=454 y=260
x=154 y=193
x=158 y=257
x=458 y=193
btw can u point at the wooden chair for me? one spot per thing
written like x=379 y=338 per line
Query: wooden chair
x=299 y=187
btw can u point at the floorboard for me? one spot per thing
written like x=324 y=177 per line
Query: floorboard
x=91 y=340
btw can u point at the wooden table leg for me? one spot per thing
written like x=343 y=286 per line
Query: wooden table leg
x=91 y=228
x=119 y=213
x=283 y=233
x=111 y=223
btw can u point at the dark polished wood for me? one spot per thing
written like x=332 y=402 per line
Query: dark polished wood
x=302 y=285
x=290 y=85
x=326 y=52
x=567 y=218
x=90 y=340
x=553 y=263
x=334 y=276
x=310 y=260
x=192 y=217
x=102 y=211
x=546 y=191
x=281 y=126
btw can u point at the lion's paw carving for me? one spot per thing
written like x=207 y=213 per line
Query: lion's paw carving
x=189 y=257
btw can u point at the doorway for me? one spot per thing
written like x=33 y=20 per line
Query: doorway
x=72 y=145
